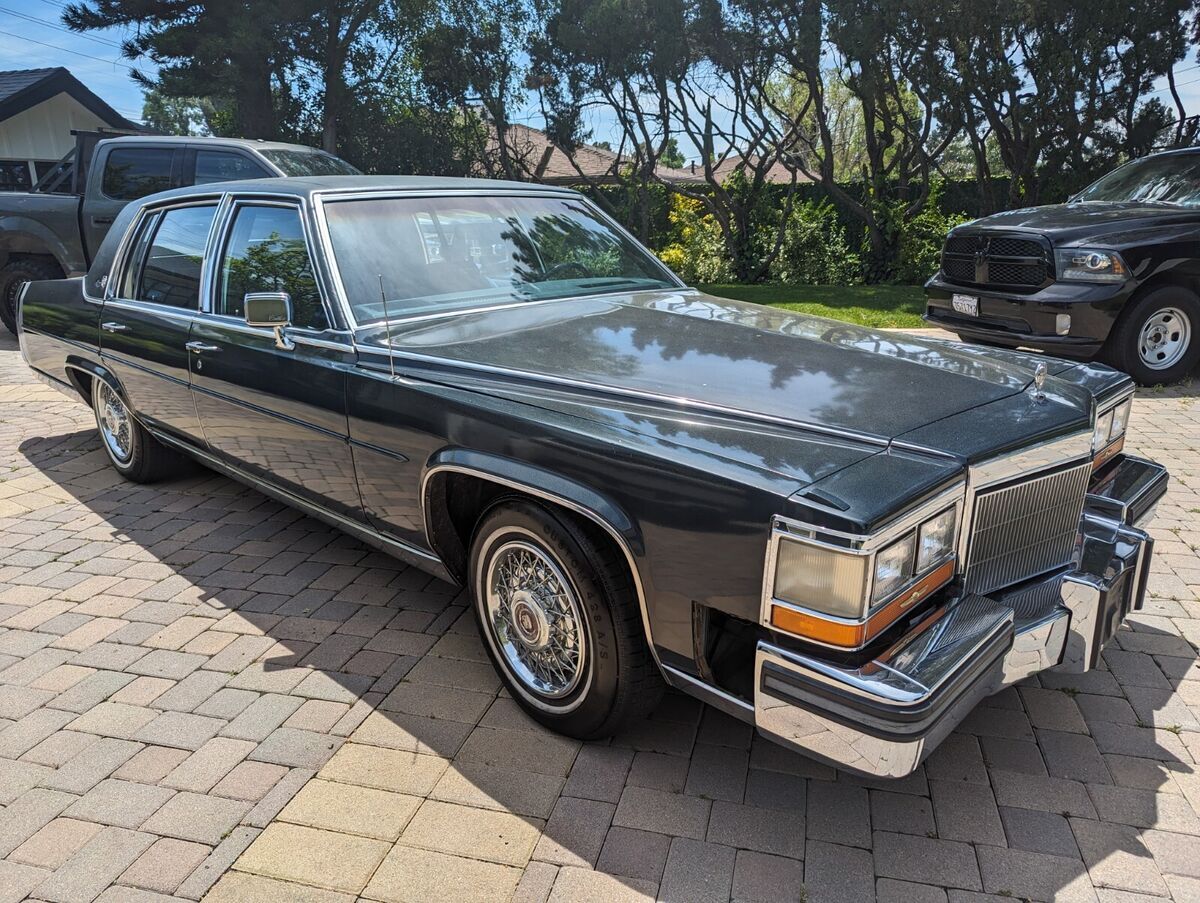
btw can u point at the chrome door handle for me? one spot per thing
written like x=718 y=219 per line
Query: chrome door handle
x=113 y=327
x=200 y=347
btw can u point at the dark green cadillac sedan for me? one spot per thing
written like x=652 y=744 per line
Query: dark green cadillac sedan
x=846 y=537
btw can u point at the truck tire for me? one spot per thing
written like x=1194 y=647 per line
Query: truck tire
x=561 y=620
x=132 y=451
x=13 y=276
x=1157 y=338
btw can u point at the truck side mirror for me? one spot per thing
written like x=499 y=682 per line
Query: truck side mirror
x=272 y=310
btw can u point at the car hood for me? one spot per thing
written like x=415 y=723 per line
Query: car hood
x=1082 y=223
x=684 y=349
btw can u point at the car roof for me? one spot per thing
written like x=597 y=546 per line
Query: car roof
x=307 y=186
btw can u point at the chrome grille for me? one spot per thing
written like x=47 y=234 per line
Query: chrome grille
x=1025 y=529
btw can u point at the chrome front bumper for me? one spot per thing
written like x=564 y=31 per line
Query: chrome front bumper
x=883 y=717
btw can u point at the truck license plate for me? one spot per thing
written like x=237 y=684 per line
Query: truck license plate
x=965 y=304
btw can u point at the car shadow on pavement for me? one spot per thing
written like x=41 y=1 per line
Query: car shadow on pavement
x=364 y=682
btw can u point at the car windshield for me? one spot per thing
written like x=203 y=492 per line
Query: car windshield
x=445 y=253
x=308 y=162
x=1172 y=179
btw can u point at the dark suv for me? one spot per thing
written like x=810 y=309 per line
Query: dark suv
x=1112 y=274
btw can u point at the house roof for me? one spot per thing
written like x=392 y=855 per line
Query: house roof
x=776 y=172
x=21 y=89
x=547 y=162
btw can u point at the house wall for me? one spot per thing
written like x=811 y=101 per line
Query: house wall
x=43 y=132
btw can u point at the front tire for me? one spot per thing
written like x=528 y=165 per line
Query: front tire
x=561 y=621
x=136 y=455
x=1157 y=339
x=13 y=276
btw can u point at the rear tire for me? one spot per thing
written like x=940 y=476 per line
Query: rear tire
x=561 y=621
x=12 y=276
x=1157 y=338
x=136 y=455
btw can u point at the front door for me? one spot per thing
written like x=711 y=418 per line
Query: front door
x=146 y=317
x=278 y=413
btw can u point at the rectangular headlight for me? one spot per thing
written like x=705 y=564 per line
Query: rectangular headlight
x=1120 y=421
x=823 y=579
x=1103 y=429
x=935 y=538
x=894 y=567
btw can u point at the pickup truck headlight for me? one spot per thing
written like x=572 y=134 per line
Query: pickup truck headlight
x=845 y=591
x=1090 y=265
x=1108 y=435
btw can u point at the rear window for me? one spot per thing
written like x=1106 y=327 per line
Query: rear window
x=134 y=172
x=308 y=162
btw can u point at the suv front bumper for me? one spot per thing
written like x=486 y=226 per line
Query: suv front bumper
x=882 y=718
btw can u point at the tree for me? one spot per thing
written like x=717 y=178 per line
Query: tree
x=177 y=115
x=233 y=52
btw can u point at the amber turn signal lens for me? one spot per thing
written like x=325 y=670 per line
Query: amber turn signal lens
x=1107 y=453
x=855 y=635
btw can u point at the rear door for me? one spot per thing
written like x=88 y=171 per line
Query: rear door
x=278 y=413
x=147 y=315
x=125 y=172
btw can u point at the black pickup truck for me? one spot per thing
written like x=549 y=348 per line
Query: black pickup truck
x=1112 y=274
x=54 y=230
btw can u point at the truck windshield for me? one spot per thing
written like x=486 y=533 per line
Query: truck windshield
x=308 y=162
x=1172 y=179
x=447 y=253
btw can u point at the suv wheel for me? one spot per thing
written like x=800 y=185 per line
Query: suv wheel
x=12 y=277
x=561 y=621
x=1157 y=339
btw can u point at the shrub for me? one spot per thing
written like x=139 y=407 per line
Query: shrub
x=920 y=240
x=814 y=249
x=696 y=251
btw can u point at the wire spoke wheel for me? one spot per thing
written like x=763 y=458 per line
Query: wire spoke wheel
x=1165 y=338
x=534 y=615
x=116 y=426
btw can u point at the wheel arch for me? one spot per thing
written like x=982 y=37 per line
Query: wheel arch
x=459 y=485
x=83 y=372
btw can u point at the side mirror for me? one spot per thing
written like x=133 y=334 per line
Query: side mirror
x=272 y=310
x=269 y=309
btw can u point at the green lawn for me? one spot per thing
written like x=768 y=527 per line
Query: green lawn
x=867 y=305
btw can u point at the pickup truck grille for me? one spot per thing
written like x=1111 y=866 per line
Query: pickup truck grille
x=1024 y=529
x=984 y=259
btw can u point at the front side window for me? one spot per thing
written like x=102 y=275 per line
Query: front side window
x=446 y=253
x=223 y=166
x=134 y=172
x=172 y=257
x=266 y=253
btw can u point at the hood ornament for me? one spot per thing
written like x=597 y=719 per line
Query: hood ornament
x=1039 y=380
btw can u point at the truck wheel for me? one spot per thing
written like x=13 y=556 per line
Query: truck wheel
x=561 y=621
x=137 y=456
x=1157 y=339
x=13 y=276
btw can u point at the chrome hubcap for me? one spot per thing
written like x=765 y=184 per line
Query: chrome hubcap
x=535 y=619
x=115 y=426
x=1165 y=338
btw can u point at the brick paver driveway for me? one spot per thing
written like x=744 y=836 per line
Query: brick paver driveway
x=204 y=694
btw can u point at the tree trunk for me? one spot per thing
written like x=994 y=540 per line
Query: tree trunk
x=255 y=109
